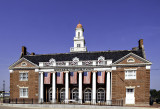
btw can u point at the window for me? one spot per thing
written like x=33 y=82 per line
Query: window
x=78 y=34
x=130 y=60
x=87 y=95
x=23 y=76
x=101 y=95
x=75 y=94
x=23 y=92
x=130 y=74
x=101 y=60
x=78 y=45
x=23 y=64
x=62 y=94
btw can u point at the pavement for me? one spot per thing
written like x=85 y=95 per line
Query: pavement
x=65 y=106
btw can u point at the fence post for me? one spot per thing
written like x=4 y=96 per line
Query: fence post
x=32 y=100
x=16 y=100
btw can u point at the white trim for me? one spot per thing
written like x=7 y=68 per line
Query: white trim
x=131 y=69
x=11 y=71
x=132 y=60
x=23 y=63
x=134 y=55
x=130 y=86
x=20 y=60
x=102 y=69
x=23 y=71
x=20 y=92
x=148 y=66
x=44 y=70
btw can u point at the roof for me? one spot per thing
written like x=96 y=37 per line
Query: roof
x=114 y=55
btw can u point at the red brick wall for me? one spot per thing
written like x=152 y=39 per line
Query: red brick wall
x=32 y=84
x=142 y=80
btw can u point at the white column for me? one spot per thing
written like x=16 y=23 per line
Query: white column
x=41 y=88
x=53 y=87
x=94 y=87
x=80 y=87
x=108 y=87
x=66 y=86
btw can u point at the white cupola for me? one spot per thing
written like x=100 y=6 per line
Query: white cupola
x=79 y=42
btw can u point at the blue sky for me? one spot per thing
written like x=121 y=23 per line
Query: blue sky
x=48 y=26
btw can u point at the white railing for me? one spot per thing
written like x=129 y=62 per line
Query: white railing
x=75 y=63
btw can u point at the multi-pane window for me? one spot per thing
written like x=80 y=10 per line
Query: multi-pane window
x=62 y=94
x=101 y=95
x=75 y=94
x=24 y=92
x=23 y=76
x=87 y=95
x=130 y=74
x=78 y=45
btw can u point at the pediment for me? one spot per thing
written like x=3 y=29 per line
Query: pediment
x=132 y=58
x=23 y=63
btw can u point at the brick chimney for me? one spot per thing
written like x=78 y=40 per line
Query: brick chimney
x=24 y=50
x=141 y=47
x=141 y=44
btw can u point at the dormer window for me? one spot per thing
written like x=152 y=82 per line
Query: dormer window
x=130 y=60
x=78 y=45
x=101 y=60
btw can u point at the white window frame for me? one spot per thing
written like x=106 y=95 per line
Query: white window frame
x=23 y=64
x=130 y=74
x=78 y=45
x=23 y=76
x=101 y=60
x=23 y=92
x=130 y=60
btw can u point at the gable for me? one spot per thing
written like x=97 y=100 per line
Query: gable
x=127 y=60
x=132 y=58
x=23 y=63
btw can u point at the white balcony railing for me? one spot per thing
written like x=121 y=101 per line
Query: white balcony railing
x=77 y=63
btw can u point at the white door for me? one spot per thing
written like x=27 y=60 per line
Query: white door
x=130 y=99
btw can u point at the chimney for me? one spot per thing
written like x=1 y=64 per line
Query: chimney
x=140 y=43
x=24 y=50
x=32 y=53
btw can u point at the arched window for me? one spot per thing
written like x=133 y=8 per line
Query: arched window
x=50 y=94
x=62 y=94
x=101 y=60
x=78 y=34
x=100 y=95
x=75 y=94
x=130 y=60
x=87 y=95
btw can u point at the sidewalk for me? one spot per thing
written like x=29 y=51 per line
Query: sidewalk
x=67 y=106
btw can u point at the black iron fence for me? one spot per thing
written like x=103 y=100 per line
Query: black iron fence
x=62 y=101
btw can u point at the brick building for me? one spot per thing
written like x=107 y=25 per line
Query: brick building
x=82 y=76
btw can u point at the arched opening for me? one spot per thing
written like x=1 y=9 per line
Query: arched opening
x=62 y=94
x=75 y=94
x=100 y=95
x=87 y=95
x=50 y=94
